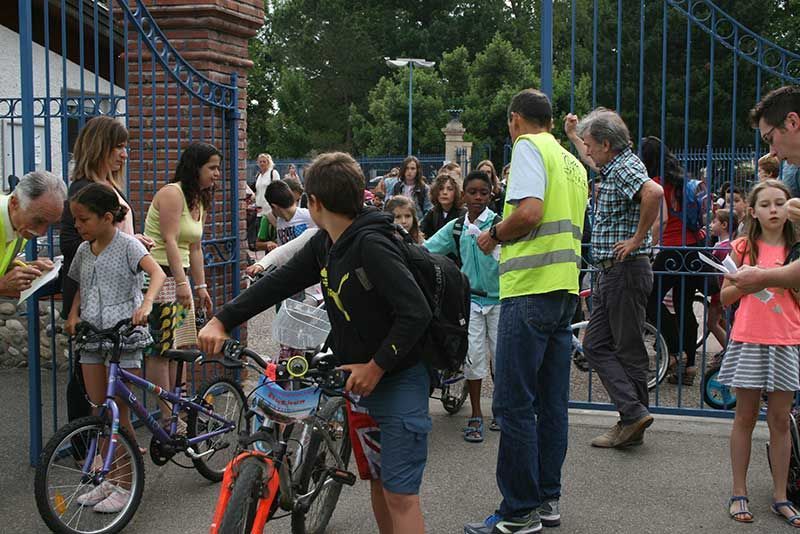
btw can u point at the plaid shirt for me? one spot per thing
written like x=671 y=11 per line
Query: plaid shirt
x=617 y=215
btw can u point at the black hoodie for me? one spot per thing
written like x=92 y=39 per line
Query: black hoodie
x=376 y=309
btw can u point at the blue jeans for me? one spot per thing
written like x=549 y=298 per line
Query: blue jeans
x=531 y=397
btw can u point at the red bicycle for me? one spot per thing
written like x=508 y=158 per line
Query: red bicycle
x=297 y=459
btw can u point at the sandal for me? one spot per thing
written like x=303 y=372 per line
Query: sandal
x=794 y=519
x=743 y=514
x=474 y=434
x=494 y=426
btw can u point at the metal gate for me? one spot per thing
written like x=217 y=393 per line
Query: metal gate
x=82 y=58
x=686 y=72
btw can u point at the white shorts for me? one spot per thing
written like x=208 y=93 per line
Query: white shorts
x=483 y=322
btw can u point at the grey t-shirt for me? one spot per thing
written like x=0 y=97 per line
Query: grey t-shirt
x=110 y=283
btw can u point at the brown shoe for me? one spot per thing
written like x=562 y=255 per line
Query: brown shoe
x=633 y=434
x=609 y=439
x=688 y=376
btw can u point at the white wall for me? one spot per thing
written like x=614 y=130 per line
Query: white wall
x=10 y=87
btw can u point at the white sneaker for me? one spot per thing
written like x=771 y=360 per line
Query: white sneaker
x=114 y=503
x=98 y=494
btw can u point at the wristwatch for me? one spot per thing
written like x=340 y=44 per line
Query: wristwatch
x=493 y=233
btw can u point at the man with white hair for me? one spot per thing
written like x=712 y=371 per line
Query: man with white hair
x=627 y=205
x=35 y=204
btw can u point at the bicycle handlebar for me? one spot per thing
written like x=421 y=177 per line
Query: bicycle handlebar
x=122 y=328
x=322 y=369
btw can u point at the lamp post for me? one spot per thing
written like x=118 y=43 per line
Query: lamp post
x=411 y=62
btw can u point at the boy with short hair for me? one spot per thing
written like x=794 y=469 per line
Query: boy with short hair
x=290 y=220
x=484 y=275
x=378 y=317
x=298 y=191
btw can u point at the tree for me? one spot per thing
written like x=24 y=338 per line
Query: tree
x=496 y=74
x=385 y=127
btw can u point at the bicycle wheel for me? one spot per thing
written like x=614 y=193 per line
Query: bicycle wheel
x=454 y=391
x=657 y=355
x=63 y=489
x=247 y=489
x=715 y=394
x=228 y=401
x=578 y=356
x=316 y=460
x=700 y=304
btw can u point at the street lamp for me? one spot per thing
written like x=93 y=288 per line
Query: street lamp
x=411 y=62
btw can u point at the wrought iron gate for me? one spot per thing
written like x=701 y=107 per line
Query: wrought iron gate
x=82 y=58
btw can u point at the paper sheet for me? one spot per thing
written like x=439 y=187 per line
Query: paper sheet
x=729 y=266
x=473 y=229
x=40 y=282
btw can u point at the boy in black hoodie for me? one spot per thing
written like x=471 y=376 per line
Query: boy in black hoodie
x=378 y=316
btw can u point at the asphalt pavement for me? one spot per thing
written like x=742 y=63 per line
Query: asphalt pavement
x=677 y=482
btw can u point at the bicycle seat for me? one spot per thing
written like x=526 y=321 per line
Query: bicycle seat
x=188 y=356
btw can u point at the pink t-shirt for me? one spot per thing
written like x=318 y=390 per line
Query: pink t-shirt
x=775 y=322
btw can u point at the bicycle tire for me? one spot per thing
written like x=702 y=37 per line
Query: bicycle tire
x=314 y=458
x=703 y=330
x=716 y=395
x=453 y=395
x=658 y=356
x=212 y=467
x=57 y=453
x=247 y=489
x=656 y=350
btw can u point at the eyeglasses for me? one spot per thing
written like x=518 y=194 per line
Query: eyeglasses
x=767 y=137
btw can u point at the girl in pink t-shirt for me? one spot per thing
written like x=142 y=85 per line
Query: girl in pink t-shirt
x=763 y=350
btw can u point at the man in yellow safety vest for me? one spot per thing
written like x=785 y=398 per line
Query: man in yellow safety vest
x=539 y=264
x=35 y=204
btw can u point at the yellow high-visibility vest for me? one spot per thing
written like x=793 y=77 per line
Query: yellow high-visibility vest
x=549 y=257
x=8 y=250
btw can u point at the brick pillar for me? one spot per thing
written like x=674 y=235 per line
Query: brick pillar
x=212 y=36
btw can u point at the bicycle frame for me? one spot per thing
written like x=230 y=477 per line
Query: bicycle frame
x=117 y=380
x=265 y=500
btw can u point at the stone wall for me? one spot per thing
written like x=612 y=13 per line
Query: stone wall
x=14 y=336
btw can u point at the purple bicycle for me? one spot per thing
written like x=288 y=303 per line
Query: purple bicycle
x=92 y=458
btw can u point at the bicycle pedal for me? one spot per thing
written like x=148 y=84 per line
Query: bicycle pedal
x=343 y=477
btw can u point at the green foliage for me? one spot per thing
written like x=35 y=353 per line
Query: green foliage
x=321 y=83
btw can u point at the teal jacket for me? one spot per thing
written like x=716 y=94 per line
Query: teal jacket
x=482 y=270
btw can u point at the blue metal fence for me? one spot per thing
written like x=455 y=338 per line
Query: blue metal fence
x=110 y=58
x=372 y=166
x=655 y=86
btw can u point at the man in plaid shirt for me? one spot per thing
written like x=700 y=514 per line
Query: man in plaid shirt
x=627 y=206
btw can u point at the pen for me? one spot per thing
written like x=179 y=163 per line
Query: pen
x=20 y=263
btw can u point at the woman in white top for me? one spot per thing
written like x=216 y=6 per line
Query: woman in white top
x=266 y=175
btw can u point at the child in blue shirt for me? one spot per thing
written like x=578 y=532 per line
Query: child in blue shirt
x=484 y=276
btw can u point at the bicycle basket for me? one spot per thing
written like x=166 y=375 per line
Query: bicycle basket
x=300 y=326
x=282 y=405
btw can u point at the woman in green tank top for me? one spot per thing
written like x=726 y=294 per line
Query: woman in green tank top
x=175 y=223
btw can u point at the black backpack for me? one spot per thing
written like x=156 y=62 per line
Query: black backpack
x=447 y=291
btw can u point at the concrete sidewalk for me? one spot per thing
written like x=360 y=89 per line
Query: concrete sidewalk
x=678 y=481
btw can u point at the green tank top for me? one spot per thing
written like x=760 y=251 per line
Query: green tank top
x=190 y=231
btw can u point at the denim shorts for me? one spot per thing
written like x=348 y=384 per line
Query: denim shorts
x=127 y=360
x=389 y=430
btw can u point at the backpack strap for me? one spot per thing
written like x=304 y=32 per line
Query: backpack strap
x=458 y=228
